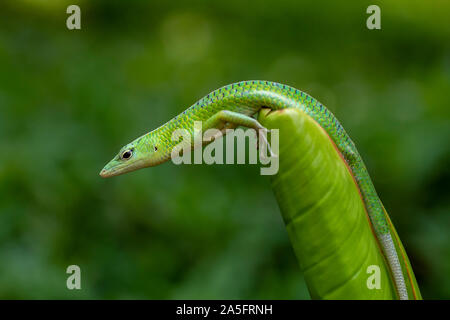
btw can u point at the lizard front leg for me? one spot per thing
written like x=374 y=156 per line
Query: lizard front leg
x=226 y=119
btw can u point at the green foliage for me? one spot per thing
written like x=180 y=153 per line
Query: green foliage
x=70 y=99
x=324 y=213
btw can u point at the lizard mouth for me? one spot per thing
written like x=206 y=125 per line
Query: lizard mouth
x=115 y=169
x=105 y=174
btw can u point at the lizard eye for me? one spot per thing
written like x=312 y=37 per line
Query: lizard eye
x=155 y=148
x=127 y=154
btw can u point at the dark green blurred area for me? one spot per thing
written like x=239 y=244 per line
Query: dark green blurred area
x=70 y=99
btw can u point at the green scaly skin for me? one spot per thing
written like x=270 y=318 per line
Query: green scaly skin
x=244 y=100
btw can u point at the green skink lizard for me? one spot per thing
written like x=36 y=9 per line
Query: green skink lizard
x=236 y=105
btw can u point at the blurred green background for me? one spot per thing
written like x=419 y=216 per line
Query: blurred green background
x=70 y=99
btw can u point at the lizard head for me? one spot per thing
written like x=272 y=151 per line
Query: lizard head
x=140 y=153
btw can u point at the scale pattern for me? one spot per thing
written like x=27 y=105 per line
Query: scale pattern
x=248 y=97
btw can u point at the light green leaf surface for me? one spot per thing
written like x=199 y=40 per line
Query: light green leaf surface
x=324 y=214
